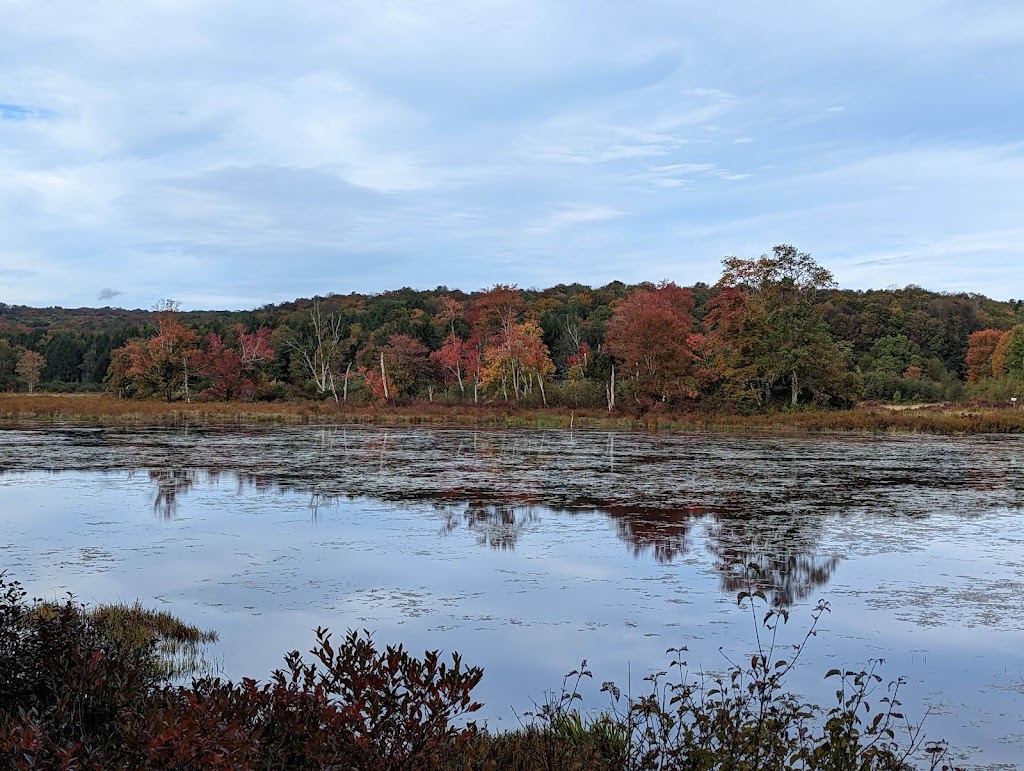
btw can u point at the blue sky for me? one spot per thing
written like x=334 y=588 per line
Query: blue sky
x=231 y=154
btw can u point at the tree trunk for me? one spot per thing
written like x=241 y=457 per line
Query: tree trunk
x=344 y=386
x=543 y=396
x=188 y=396
x=611 y=390
x=794 y=384
x=384 y=377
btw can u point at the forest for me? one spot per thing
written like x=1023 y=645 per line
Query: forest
x=775 y=332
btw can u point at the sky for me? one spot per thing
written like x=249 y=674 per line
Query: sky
x=232 y=154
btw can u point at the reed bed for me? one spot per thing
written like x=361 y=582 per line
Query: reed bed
x=106 y=409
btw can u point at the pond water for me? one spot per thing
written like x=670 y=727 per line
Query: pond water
x=528 y=551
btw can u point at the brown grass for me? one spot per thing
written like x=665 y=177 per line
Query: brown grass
x=967 y=418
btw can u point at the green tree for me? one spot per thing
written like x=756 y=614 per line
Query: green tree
x=8 y=363
x=892 y=355
x=63 y=352
x=766 y=317
x=1014 y=356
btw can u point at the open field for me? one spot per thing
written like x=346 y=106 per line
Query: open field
x=950 y=418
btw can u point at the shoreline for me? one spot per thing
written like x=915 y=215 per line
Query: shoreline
x=104 y=409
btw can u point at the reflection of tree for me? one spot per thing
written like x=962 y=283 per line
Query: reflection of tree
x=783 y=549
x=498 y=525
x=170 y=482
x=666 y=534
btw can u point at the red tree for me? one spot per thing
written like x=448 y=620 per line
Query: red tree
x=648 y=334
x=234 y=370
x=451 y=357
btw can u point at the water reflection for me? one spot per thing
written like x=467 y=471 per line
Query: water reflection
x=760 y=499
x=665 y=535
x=170 y=483
x=786 y=550
x=527 y=550
x=786 y=555
x=497 y=525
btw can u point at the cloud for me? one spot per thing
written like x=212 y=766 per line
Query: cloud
x=680 y=174
x=18 y=112
x=241 y=154
x=108 y=294
x=572 y=216
x=16 y=273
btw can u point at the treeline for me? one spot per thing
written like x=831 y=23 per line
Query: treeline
x=773 y=332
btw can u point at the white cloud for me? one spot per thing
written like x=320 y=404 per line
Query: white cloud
x=232 y=152
x=572 y=216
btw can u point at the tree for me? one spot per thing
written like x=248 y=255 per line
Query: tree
x=1008 y=356
x=452 y=358
x=453 y=354
x=166 y=363
x=981 y=347
x=496 y=311
x=649 y=334
x=892 y=355
x=63 y=352
x=505 y=353
x=407 y=364
x=1015 y=352
x=322 y=350
x=517 y=357
x=8 y=365
x=578 y=362
x=117 y=377
x=30 y=366
x=767 y=318
x=233 y=370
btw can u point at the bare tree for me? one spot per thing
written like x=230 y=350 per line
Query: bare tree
x=321 y=354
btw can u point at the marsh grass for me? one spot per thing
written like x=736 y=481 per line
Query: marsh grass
x=978 y=417
x=175 y=647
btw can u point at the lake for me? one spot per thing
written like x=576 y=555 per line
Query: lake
x=528 y=551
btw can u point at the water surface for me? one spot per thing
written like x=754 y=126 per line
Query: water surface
x=530 y=550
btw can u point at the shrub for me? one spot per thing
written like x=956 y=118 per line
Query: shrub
x=84 y=689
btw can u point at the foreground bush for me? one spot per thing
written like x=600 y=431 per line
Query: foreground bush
x=79 y=690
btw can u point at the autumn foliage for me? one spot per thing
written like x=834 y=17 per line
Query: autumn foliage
x=980 y=351
x=74 y=697
x=650 y=335
x=773 y=333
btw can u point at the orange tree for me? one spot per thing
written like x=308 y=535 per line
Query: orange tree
x=167 y=363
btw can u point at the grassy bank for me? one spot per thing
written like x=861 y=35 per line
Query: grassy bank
x=949 y=418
